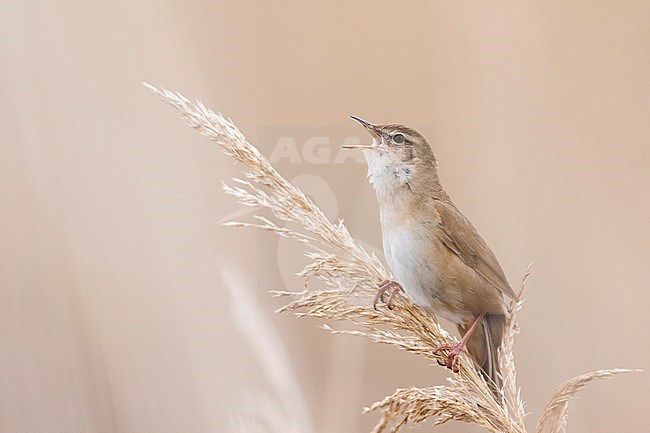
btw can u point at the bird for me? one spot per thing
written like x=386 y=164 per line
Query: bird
x=435 y=254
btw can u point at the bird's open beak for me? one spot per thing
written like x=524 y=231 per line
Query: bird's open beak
x=371 y=128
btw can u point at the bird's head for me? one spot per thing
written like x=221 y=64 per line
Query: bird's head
x=396 y=145
x=399 y=159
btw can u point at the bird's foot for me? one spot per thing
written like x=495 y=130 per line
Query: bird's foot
x=452 y=356
x=385 y=286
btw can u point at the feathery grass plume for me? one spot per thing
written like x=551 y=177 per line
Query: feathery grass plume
x=555 y=413
x=350 y=276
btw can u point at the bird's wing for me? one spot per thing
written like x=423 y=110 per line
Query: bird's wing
x=460 y=236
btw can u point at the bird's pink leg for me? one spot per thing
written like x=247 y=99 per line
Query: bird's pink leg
x=455 y=349
x=383 y=287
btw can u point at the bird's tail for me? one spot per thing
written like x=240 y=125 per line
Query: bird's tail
x=483 y=347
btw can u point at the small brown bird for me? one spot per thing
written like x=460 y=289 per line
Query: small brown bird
x=436 y=255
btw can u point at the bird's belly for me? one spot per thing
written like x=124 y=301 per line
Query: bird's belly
x=406 y=252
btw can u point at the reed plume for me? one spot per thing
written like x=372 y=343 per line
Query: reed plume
x=350 y=276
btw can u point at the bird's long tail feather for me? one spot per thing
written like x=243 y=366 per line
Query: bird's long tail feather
x=483 y=347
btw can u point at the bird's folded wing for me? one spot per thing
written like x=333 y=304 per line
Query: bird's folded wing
x=460 y=236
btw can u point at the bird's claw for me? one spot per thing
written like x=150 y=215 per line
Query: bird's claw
x=383 y=288
x=452 y=357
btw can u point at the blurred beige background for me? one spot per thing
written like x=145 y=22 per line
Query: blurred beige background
x=114 y=311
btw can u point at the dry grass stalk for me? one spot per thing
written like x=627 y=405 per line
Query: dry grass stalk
x=284 y=409
x=350 y=276
x=554 y=416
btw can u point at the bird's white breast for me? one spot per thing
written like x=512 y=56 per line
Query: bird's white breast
x=404 y=241
x=403 y=248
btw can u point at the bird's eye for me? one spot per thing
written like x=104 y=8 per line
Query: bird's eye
x=398 y=138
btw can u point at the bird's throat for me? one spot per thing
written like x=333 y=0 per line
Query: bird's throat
x=402 y=187
x=387 y=177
